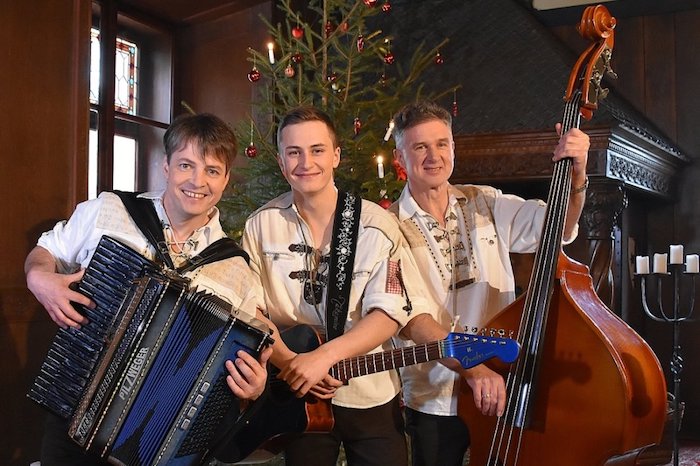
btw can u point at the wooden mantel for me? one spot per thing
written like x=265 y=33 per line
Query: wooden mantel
x=624 y=162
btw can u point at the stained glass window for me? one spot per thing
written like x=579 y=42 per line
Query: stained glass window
x=125 y=73
x=125 y=77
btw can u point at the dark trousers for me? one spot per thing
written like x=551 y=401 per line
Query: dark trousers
x=58 y=449
x=373 y=436
x=436 y=440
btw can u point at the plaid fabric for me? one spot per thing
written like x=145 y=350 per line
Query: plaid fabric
x=393 y=280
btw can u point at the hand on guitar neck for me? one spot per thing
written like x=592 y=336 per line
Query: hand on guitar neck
x=284 y=415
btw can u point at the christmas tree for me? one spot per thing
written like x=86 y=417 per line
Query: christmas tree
x=333 y=56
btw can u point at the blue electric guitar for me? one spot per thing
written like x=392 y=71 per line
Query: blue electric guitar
x=283 y=416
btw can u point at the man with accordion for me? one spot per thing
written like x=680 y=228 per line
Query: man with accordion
x=199 y=154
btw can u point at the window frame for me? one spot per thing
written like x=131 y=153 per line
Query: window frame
x=110 y=121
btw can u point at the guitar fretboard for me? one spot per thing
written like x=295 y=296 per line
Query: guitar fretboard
x=386 y=360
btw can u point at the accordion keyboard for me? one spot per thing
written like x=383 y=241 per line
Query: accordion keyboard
x=74 y=353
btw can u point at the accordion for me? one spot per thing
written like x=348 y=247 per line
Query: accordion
x=144 y=381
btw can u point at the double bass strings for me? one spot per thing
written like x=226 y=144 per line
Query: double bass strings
x=520 y=381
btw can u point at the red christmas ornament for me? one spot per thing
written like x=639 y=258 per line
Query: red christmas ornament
x=289 y=71
x=251 y=151
x=357 y=126
x=332 y=77
x=438 y=59
x=253 y=75
x=329 y=28
x=297 y=58
x=384 y=203
x=400 y=172
x=386 y=7
x=360 y=43
x=344 y=26
x=455 y=110
x=297 y=32
x=370 y=3
x=389 y=58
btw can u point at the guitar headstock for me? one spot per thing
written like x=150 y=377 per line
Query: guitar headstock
x=596 y=25
x=471 y=350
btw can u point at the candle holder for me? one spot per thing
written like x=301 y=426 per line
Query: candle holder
x=675 y=319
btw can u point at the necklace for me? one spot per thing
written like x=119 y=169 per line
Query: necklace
x=178 y=250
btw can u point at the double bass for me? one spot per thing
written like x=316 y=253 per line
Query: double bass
x=586 y=390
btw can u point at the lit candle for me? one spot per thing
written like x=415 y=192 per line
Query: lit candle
x=387 y=135
x=660 y=263
x=642 y=265
x=692 y=264
x=380 y=166
x=270 y=53
x=676 y=256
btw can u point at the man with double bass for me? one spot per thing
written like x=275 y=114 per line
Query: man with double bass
x=461 y=237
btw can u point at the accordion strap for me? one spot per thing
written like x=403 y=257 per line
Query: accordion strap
x=343 y=246
x=146 y=218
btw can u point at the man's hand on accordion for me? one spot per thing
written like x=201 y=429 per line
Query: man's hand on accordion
x=53 y=289
x=247 y=377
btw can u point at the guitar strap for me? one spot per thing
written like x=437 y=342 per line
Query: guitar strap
x=146 y=218
x=343 y=247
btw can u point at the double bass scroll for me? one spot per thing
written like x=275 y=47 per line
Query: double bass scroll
x=586 y=388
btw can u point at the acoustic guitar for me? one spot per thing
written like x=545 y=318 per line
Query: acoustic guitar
x=282 y=416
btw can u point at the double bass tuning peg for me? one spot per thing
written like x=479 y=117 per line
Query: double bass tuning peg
x=607 y=54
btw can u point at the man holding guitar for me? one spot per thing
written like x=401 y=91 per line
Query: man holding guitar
x=461 y=237
x=333 y=261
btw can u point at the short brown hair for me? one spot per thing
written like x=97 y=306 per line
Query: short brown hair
x=415 y=113
x=208 y=134
x=307 y=113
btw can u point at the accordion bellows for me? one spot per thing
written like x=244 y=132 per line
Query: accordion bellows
x=143 y=382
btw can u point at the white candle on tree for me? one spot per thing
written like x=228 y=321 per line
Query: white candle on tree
x=380 y=166
x=387 y=135
x=271 y=53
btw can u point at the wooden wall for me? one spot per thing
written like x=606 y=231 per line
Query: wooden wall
x=43 y=135
x=212 y=64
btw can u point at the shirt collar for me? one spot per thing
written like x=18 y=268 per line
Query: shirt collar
x=408 y=207
x=212 y=229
